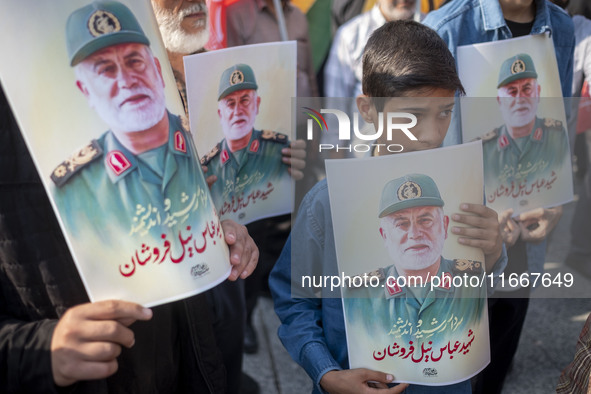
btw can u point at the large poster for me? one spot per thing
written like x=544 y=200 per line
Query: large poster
x=95 y=98
x=415 y=305
x=515 y=106
x=240 y=109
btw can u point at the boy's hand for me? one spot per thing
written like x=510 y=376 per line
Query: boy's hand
x=295 y=158
x=537 y=224
x=357 y=381
x=510 y=229
x=87 y=339
x=244 y=254
x=482 y=231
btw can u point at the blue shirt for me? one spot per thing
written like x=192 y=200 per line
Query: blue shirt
x=312 y=325
x=465 y=22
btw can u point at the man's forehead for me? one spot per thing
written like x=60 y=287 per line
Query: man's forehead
x=424 y=210
x=519 y=82
x=123 y=49
x=238 y=94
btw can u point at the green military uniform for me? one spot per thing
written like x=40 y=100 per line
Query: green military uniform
x=536 y=156
x=517 y=168
x=412 y=313
x=104 y=190
x=253 y=169
x=107 y=189
x=388 y=309
x=248 y=175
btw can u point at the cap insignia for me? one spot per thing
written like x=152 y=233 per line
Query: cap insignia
x=518 y=66
x=103 y=22
x=408 y=190
x=236 y=77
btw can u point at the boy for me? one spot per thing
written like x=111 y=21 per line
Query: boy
x=411 y=65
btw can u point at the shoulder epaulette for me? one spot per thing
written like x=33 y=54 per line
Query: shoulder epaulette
x=274 y=136
x=76 y=162
x=380 y=273
x=491 y=135
x=212 y=153
x=465 y=266
x=553 y=124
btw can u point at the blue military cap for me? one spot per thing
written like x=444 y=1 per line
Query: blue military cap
x=237 y=77
x=99 y=25
x=516 y=67
x=412 y=190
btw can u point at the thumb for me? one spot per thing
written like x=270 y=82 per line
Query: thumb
x=505 y=216
x=533 y=214
x=369 y=375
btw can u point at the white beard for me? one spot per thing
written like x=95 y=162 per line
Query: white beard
x=176 y=39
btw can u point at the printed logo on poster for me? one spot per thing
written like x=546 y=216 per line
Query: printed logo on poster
x=393 y=124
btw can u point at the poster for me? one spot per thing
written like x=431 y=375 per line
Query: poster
x=95 y=98
x=240 y=109
x=514 y=104
x=416 y=303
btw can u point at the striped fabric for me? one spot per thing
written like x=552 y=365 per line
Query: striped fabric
x=575 y=377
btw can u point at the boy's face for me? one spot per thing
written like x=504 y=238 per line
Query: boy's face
x=432 y=109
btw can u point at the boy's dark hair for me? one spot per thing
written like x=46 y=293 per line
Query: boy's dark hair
x=402 y=56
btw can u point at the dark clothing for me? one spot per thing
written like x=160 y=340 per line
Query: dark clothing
x=174 y=352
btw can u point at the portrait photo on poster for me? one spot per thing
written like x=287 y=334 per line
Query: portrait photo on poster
x=514 y=105
x=113 y=152
x=414 y=298
x=242 y=120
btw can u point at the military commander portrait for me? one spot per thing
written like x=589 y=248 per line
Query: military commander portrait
x=527 y=146
x=413 y=228
x=142 y=175
x=246 y=160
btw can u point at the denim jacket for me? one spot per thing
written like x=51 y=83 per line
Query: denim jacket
x=312 y=325
x=465 y=22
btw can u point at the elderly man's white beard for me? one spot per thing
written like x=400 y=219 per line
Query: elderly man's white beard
x=176 y=39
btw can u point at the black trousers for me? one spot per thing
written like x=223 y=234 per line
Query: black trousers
x=506 y=315
x=229 y=319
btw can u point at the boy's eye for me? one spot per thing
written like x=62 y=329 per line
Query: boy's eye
x=445 y=114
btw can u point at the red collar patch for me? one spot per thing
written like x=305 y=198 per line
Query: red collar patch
x=117 y=162
x=392 y=287
x=538 y=134
x=225 y=156
x=503 y=141
x=254 y=146
x=179 y=142
x=445 y=281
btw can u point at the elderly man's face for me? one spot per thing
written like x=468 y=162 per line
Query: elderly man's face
x=183 y=24
x=518 y=101
x=124 y=84
x=393 y=10
x=238 y=112
x=414 y=237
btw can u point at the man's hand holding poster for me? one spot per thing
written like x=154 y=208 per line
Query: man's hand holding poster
x=415 y=305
